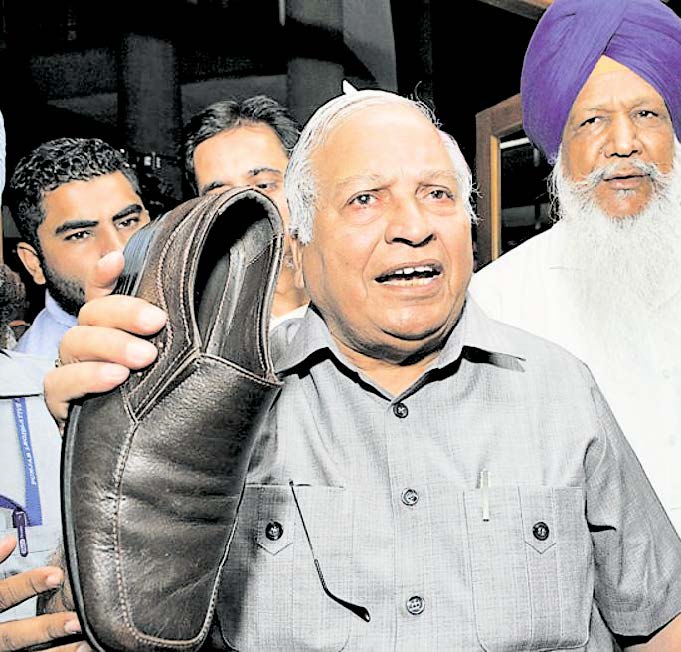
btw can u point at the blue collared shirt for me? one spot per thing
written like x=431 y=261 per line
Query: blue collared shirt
x=566 y=543
x=44 y=335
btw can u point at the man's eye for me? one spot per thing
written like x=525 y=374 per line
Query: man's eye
x=365 y=199
x=647 y=113
x=77 y=235
x=590 y=121
x=440 y=193
x=128 y=222
x=266 y=185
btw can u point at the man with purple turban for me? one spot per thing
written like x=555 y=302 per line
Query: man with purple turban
x=601 y=91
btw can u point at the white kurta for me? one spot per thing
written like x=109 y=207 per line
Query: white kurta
x=531 y=287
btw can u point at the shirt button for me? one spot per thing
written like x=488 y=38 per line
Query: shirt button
x=541 y=531
x=400 y=410
x=410 y=497
x=415 y=605
x=273 y=531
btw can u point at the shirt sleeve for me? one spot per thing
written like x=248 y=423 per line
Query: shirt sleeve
x=637 y=552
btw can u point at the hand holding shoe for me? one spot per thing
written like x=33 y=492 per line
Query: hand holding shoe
x=98 y=354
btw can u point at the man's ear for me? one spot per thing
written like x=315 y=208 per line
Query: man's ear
x=297 y=256
x=31 y=261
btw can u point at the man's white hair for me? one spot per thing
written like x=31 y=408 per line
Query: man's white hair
x=300 y=182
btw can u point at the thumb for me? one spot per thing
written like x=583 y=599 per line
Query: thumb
x=7 y=545
x=102 y=278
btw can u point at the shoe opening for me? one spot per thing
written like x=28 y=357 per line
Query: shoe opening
x=234 y=284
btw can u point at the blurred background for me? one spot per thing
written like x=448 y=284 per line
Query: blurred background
x=132 y=73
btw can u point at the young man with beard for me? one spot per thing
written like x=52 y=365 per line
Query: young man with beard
x=247 y=143
x=74 y=200
x=602 y=98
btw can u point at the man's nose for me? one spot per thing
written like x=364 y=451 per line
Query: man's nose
x=409 y=224
x=112 y=240
x=622 y=137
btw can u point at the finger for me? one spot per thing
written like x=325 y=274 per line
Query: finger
x=71 y=643
x=126 y=313
x=17 y=588
x=96 y=360
x=19 y=634
x=102 y=280
x=101 y=344
x=7 y=545
x=74 y=381
x=81 y=646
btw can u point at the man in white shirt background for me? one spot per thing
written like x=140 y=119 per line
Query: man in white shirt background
x=605 y=281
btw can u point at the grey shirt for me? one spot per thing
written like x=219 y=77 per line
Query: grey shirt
x=567 y=543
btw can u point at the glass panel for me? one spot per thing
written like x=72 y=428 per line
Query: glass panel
x=524 y=195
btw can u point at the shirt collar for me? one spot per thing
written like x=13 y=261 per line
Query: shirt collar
x=474 y=329
x=21 y=375
x=57 y=312
x=302 y=338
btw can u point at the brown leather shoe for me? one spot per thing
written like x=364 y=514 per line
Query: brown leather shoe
x=153 y=472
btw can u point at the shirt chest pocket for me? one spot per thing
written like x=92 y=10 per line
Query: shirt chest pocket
x=531 y=568
x=271 y=597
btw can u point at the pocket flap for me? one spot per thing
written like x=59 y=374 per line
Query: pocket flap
x=538 y=514
x=276 y=518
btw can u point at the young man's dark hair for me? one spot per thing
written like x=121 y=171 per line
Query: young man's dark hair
x=52 y=165
x=229 y=114
x=74 y=200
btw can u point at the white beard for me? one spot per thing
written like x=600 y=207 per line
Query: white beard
x=629 y=267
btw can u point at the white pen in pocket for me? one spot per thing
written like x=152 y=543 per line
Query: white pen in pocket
x=484 y=493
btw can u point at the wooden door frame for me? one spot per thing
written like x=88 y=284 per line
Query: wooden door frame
x=491 y=126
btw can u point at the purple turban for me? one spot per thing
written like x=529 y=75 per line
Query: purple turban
x=643 y=35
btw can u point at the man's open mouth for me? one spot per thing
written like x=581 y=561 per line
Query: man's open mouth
x=411 y=275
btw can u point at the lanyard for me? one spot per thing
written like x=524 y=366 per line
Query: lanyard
x=33 y=510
